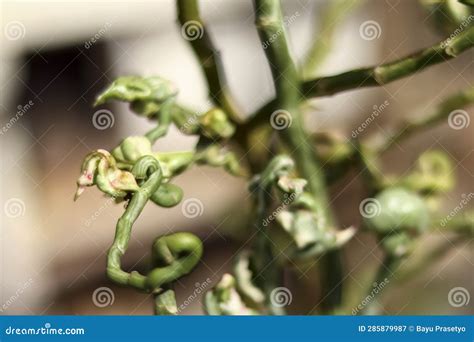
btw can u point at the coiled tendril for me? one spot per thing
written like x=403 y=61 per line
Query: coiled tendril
x=173 y=255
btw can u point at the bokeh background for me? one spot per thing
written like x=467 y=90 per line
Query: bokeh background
x=56 y=56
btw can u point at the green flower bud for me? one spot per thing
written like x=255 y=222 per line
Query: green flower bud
x=398 y=209
x=216 y=124
x=132 y=148
x=433 y=174
x=145 y=94
x=398 y=244
x=99 y=168
x=216 y=156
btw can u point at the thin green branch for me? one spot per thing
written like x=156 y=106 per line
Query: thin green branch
x=388 y=266
x=386 y=73
x=333 y=14
x=269 y=22
x=123 y=233
x=173 y=256
x=393 y=265
x=376 y=75
x=196 y=33
x=434 y=255
x=406 y=129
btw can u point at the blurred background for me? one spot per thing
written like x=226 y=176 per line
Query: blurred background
x=56 y=57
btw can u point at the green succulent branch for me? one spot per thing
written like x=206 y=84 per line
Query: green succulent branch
x=208 y=56
x=375 y=75
x=269 y=23
x=174 y=255
x=386 y=73
x=302 y=227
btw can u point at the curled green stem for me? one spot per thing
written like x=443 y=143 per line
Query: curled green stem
x=173 y=256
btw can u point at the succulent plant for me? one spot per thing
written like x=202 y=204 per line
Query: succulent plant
x=288 y=170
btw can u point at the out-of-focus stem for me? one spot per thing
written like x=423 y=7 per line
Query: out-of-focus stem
x=405 y=129
x=376 y=75
x=270 y=27
x=208 y=56
x=335 y=12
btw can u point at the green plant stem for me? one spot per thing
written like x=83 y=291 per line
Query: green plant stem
x=270 y=26
x=123 y=232
x=173 y=255
x=209 y=59
x=406 y=129
x=437 y=253
x=268 y=277
x=268 y=22
x=386 y=73
x=164 y=122
x=385 y=271
x=391 y=265
x=333 y=14
x=375 y=75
